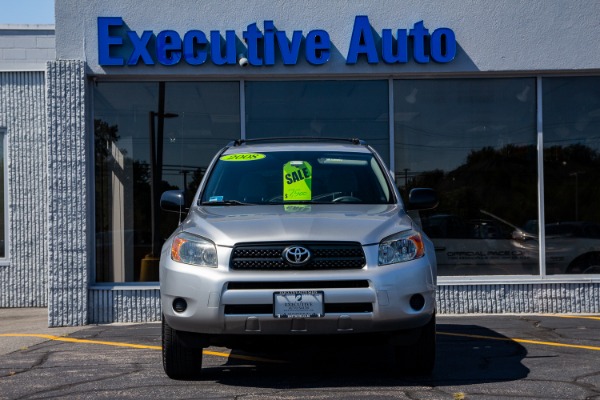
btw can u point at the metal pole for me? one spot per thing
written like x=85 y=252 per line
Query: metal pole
x=158 y=164
x=151 y=115
x=161 y=130
x=576 y=196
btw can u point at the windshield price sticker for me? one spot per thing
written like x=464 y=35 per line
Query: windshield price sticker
x=243 y=157
x=297 y=208
x=298 y=304
x=297 y=181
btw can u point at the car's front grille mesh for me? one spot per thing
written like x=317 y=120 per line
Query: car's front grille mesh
x=323 y=256
x=299 y=285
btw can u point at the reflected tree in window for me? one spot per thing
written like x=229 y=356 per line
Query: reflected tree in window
x=473 y=140
x=204 y=117
x=571 y=124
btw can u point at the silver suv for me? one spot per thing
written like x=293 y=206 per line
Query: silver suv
x=297 y=239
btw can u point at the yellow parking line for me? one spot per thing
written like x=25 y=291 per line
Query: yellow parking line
x=554 y=344
x=87 y=341
x=133 y=346
x=575 y=316
x=242 y=357
x=260 y=359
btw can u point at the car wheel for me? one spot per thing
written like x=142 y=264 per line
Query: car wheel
x=179 y=361
x=586 y=264
x=418 y=358
x=592 y=269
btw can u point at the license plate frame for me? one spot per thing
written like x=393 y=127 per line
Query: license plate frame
x=298 y=304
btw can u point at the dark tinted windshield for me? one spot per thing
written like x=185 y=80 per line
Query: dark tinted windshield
x=297 y=177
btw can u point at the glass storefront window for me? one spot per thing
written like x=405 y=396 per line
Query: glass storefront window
x=474 y=141
x=195 y=119
x=341 y=109
x=571 y=115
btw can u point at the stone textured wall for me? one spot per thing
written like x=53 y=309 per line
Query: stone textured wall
x=143 y=305
x=23 y=277
x=124 y=305
x=69 y=209
x=519 y=298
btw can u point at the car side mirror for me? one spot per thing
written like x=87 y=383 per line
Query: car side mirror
x=422 y=199
x=173 y=201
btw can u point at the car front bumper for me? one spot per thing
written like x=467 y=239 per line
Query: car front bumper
x=369 y=300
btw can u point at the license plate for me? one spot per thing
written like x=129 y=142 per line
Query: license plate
x=298 y=304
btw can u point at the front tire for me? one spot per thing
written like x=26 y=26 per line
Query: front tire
x=418 y=358
x=179 y=360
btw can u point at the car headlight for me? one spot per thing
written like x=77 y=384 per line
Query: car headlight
x=401 y=247
x=194 y=250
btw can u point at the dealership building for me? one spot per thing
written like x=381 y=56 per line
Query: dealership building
x=495 y=104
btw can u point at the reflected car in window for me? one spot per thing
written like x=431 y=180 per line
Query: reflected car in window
x=493 y=246
x=573 y=247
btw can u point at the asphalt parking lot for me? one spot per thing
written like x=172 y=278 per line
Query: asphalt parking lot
x=479 y=357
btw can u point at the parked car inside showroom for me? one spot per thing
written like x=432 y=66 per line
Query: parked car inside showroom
x=294 y=239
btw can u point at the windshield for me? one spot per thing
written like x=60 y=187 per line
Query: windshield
x=297 y=177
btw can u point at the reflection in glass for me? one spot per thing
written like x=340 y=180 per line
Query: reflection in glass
x=341 y=109
x=205 y=117
x=572 y=174
x=473 y=140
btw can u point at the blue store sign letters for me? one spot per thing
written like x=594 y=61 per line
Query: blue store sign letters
x=118 y=46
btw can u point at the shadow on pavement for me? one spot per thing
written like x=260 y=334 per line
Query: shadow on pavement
x=461 y=359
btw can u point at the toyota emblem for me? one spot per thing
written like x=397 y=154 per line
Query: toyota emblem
x=296 y=255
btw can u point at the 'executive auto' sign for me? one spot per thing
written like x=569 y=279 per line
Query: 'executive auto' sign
x=119 y=46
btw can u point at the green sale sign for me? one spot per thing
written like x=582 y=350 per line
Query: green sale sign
x=297 y=181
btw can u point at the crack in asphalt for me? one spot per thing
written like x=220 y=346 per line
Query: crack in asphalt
x=565 y=382
x=73 y=385
x=40 y=361
x=543 y=331
x=586 y=385
x=548 y=333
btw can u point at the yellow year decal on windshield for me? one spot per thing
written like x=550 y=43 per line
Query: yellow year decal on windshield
x=297 y=181
x=243 y=157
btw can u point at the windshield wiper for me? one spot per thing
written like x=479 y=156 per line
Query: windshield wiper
x=225 y=203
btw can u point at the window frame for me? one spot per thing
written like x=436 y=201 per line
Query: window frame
x=539 y=278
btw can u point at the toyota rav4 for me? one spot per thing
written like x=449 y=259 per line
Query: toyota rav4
x=302 y=239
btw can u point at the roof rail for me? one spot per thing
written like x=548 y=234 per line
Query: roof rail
x=240 y=142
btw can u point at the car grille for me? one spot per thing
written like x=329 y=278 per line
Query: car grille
x=300 y=285
x=324 y=256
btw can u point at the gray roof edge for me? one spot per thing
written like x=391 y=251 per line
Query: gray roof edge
x=27 y=27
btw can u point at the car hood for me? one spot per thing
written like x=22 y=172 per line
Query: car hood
x=228 y=225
